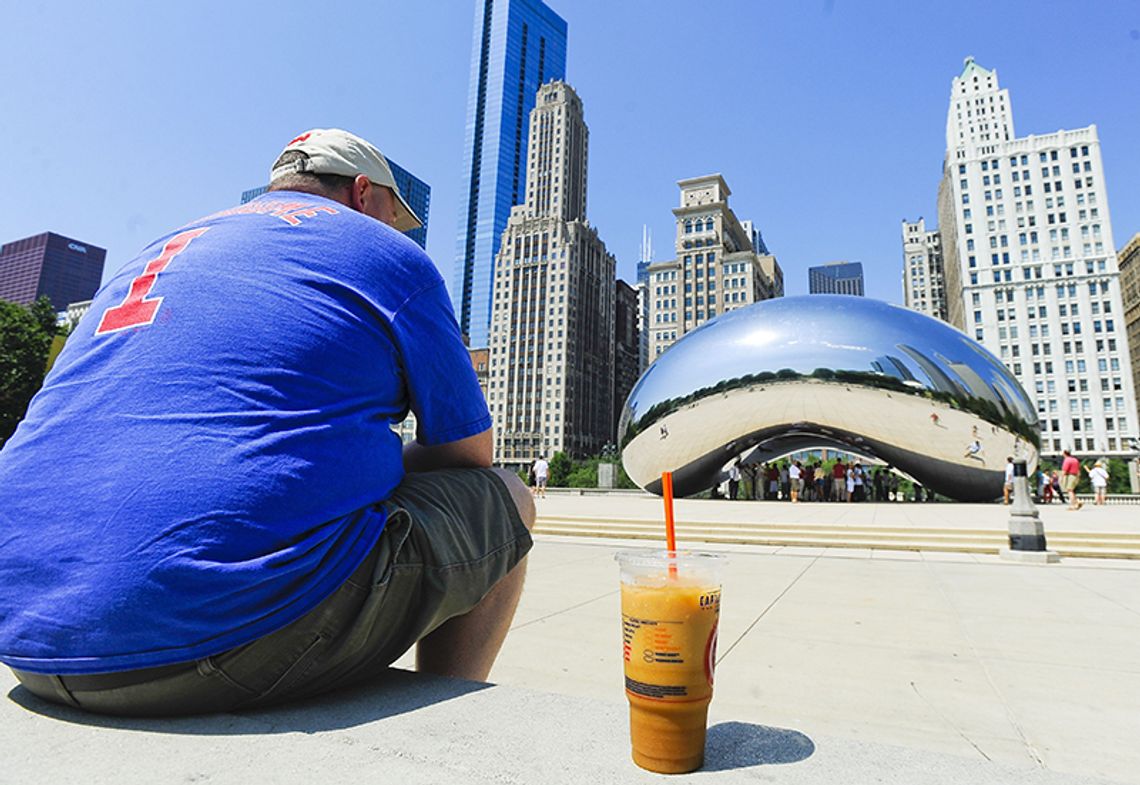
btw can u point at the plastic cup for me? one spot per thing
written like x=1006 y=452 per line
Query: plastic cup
x=670 y=606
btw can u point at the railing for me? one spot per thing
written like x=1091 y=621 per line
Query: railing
x=596 y=491
x=1087 y=498
x=1112 y=498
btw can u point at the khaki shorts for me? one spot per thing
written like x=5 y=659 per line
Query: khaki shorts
x=450 y=537
x=1069 y=482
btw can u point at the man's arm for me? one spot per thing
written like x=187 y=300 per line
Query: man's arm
x=474 y=452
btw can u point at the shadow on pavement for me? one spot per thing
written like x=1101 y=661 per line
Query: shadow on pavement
x=397 y=692
x=738 y=745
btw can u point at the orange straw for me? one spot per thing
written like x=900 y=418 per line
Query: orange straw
x=670 y=534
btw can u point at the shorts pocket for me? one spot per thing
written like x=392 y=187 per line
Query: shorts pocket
x=295 y=674
x=392 y=547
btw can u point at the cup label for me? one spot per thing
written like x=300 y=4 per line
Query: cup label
x=669 y=641
x=662 y=646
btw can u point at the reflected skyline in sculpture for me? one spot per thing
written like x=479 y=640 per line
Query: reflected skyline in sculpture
x=830 y=371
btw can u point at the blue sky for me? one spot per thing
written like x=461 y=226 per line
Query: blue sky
x=826 y=117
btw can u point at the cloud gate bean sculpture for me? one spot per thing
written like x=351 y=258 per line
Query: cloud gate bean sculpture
x=829 y=371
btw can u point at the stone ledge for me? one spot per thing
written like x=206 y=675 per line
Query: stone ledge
x=1030 y=557
x=413 y=729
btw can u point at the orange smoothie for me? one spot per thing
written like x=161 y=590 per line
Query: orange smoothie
x=669 y=648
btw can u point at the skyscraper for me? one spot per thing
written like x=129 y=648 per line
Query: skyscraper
x=63 y=269
x=1031 y=269
x=643 y=298
x=1129 y=261
x=924 y=284
x=627 y=346
x=415 y=191
x=417 y=194
x=253 y=193
x=551 y=381
x=518 y=45
x=758 y=244
x=717 y=268
x=836 y=278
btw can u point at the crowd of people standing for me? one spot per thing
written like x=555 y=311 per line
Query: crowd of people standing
x=800 y=481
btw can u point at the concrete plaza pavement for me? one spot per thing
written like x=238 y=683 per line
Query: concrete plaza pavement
x=1024 y=665
x=834 y=666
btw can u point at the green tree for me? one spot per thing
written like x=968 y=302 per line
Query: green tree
x=1117 y=476
x=25 y=337
x=584 y=475
x=560 y=468
x=1118 y=481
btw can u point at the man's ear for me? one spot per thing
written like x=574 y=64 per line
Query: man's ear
x=360 y=192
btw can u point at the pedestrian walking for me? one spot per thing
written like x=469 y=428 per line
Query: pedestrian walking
x=541 y=471
x=1098 y=476
x=1070 y=476
x=1007 y=489
x=795 y=481
x=734 y=480
x=838 y=481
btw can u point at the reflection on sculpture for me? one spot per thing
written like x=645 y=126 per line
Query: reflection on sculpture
x=830 y=371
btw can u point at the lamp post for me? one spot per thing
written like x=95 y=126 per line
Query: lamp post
x=1026 y=533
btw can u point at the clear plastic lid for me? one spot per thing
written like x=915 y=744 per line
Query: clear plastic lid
x=648 y=566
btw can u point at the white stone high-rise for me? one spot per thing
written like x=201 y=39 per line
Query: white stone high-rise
x=550 y=387
x=643 y=298
x=1030 y=266
x=924 y=284
x=716 y=269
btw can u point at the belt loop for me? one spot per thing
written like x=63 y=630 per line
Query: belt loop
x=62 y=691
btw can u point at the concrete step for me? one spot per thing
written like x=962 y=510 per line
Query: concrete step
x=730 y=533
x=416 y=729
x=781 y=529
x=775 y=526
x=1073 y=544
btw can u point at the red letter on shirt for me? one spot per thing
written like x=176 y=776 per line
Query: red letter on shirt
x=137 y=310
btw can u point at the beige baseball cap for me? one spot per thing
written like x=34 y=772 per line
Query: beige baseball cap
x=333 y=151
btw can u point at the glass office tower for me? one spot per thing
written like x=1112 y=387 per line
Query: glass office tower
x=518 y=45
x=63 y=269
x=836 y=278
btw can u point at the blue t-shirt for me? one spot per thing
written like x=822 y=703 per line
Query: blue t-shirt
x=206 y=461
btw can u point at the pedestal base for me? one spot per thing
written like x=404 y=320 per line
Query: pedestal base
x=1030 y=557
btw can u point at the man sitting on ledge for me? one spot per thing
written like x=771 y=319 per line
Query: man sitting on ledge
x=206 y=508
